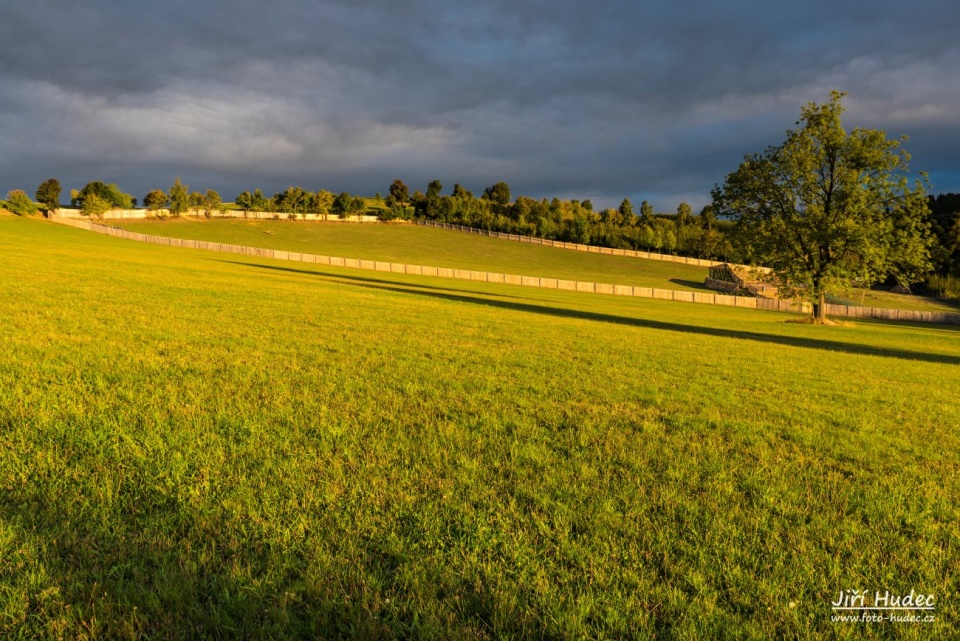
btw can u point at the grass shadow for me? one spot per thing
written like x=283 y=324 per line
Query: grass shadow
x=693 y=284
x=380 y=280
x=462 y=296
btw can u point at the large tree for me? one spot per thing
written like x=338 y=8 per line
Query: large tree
x=110 y=194
x=48 y=194
x=829 y=207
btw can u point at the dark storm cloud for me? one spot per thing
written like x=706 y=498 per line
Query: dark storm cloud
x=579 y=99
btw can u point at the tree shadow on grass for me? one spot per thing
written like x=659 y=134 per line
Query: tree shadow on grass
x=321 y=273
x=693 y=284
x=475 y=298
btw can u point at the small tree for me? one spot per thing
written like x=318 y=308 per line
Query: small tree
x=212 y=203
x=155 y=200
x=94 y=205
x=829 y=207
x=244 y=201
x=258 y=202
x=48 y=194
x=179 y=198
x=19 y=203
x=342 y=205
x=196 y=201
x=399 y=192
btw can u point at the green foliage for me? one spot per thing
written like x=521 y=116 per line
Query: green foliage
x=580 y=231
x=110 y=194
x=399 y=192
x=244 y=201
x=646 y=213
x=19 y=203
x=498 y=193
x=155 y=200
x=179 y=198
x=212 y=203
x=48 y=194
x=433 y=189
x=828 y=207
x=196 y=200
x=708 y=217
x=345 y=205
x=461 y=192
x=94 y=205
x=258 y=202
x=946 y=287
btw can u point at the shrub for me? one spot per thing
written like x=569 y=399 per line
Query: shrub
x=19 y=203
x=945 y=287
x=94 y=205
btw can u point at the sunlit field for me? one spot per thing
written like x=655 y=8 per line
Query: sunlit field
x=444 y=248
x=400 y=243
x=201 y=445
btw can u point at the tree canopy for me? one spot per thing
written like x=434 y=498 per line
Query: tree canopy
x=48 y=194
x=829 y=207
x=498 y=193
x=109 y=194
x=19 y=203
x=155 y=200
x=179 y=196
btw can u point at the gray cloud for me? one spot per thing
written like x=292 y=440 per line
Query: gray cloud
x=587 y=100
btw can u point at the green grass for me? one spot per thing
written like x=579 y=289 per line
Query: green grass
x=442 y=248
x=428 y=246
x=882 y=297
x=198 y=445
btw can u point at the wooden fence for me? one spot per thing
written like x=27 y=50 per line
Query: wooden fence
x=708 y=298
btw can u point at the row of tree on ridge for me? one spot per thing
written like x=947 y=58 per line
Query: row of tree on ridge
x=703 y=235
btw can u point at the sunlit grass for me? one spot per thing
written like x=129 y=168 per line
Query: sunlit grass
x=429 y=246
x=196 y=445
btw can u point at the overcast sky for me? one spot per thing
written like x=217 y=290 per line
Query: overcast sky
x=576 y=99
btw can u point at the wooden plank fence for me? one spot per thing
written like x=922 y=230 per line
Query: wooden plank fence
x=707 y=298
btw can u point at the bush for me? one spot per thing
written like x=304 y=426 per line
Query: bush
x=945 y=287
x=94 y=205
x=19 y=203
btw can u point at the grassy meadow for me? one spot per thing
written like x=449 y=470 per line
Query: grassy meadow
x=199 y=445
x=444 y=248
x=414 y=245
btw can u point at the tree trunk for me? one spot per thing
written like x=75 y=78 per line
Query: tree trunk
x=820 y=308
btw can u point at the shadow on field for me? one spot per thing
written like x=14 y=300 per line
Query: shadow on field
x=693 y=284
x=478 y=299
x=376 y=280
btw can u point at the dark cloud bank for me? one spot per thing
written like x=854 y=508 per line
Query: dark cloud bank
x=572 y=99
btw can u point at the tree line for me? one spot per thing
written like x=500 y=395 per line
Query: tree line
x=97 y=198
x=826 y=208
x=703 y=235
x=575 y=221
